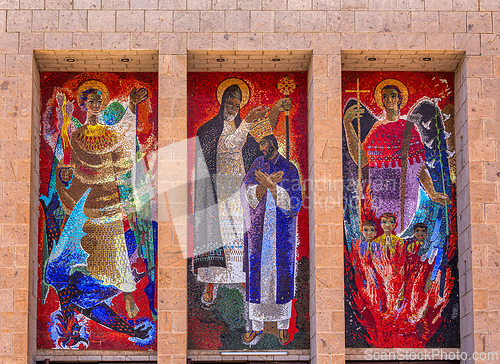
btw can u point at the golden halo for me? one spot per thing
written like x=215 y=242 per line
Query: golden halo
x=377 y=94
x=96 y=85
x=245 y=91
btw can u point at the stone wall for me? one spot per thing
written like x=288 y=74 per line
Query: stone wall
x=183 y=33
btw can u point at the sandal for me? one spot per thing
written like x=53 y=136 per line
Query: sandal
x=284 y=336
x=251 y=336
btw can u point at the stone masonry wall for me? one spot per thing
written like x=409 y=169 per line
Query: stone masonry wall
x=173 y=28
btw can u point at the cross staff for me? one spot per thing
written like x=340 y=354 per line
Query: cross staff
x=358 y=91
x=286 y=86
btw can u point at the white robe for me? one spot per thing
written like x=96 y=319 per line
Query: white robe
x=230 y=174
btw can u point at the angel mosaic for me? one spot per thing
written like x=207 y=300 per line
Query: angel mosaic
x=399 y=209
x=98 y=223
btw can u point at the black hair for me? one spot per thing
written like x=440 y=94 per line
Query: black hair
x=420 y=225
x=231 y=91
x=272 y=140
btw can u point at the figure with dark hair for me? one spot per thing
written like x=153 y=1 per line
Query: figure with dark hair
x=417 y=241
x=394 y=154
x=224 y=152
x=391 y=243
x=272 y=197
x=367 y=245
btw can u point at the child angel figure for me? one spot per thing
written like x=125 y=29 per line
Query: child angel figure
x=388 y=240
x=368 y=246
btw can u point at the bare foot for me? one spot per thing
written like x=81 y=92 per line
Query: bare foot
x=130 y=305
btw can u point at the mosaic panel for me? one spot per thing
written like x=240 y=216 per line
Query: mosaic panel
x=400 y=217
x=248 y=266
x=98 y=227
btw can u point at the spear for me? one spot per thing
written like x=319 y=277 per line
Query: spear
x=358 y=91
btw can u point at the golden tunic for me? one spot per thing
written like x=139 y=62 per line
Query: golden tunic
x=101 y=156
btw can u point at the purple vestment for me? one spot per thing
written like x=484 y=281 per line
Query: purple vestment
x=286 y=221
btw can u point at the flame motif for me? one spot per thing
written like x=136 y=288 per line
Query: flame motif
x=395 y=299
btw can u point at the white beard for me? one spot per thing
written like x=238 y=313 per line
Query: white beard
x=228 y=117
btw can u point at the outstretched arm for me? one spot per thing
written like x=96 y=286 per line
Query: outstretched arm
x=352 y=113
x=230 y=141
x=426 y=181
x=136 y=97
x=284 y=104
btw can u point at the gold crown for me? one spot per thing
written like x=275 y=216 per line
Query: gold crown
x=261 y=129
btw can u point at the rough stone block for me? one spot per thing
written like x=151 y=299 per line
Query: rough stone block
x=339 y=21
x=479 y=22
x=425 y=21
x=483 y=192
x=116 y=41
x=274 y=4
x=439 y=41
x=411 y=41
x=9 y=4
x=382 y=4
x=87 y=41
x=101 y=20
x=211 y=21
x=273 y=41
x=87 y=4
x=468 y=42
x=72 y=20
x=439 y=5
x=46 y=21
x=115 y=4
x=326 y=4
x=452 y=22
x=130 y=21
x=144 y=41
x=313 y=21
x=19 y=20
x=249 y=5
x=237 y=21
x=354 y=5
x=490 y=44
x=186 y=21
x=199 y=41
x=224 y=4
x=411 y=5
x=262 y=21
x=383 y=41
x=249 y=41
x=57 y=5
x=369 y=21
x=396 y=21
x=287 y=22
x=489 y=5
x=144 y=4
x=299 y=5
x=481 y=108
